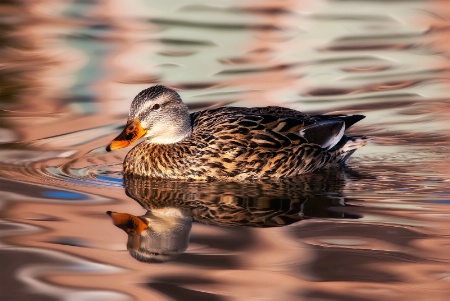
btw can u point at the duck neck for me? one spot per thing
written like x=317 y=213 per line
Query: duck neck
x=178 y=130
x=171 y=136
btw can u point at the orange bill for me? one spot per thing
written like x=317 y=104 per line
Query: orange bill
x=132 y=132
x=128 y=222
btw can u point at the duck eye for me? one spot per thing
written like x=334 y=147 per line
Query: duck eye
x=156 y=107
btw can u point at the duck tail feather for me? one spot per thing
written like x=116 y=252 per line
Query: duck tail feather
x=348 y=145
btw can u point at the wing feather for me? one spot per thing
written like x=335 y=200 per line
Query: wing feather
x=271 y=127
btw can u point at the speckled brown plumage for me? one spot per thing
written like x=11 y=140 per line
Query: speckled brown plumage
x=239 y=143
x=262 y=203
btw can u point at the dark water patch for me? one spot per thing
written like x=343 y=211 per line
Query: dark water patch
x=352 y=18
x=367 y=68
x=329 y=296
x=168 y=65
x=184 y=279
x=446 y=202
x=278 y=67
x=210 y=261
x=88 y=36
x=338 y=212
x=236 y=61
x=194 y=86
x=369 y=47
x=45 y=218
x=70 y=241
x=26 y=189
x=12 y=287
x=379 y=87
x=329 y=92
x=176 y=53
x=333 y=264
x=214 y=26
x=181 y=42
x=251 y=10
x=101 y=27
x=391 y=36
x=4 y=227
x=230 y=240
x=339 y=60
x=176 y=292
x=271 y=11
x=423 y=77
x=368 y=103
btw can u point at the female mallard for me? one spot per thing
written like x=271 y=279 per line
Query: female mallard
x=229 y=143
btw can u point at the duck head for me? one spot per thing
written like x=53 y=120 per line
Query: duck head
x=158 y=236
x=158 y=114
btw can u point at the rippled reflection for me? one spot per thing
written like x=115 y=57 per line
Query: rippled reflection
x=162 y=233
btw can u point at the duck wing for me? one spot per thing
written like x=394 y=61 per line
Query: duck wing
x=271 y=127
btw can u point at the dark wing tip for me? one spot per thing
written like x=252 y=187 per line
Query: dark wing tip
x=352 y=119
x=325 y=133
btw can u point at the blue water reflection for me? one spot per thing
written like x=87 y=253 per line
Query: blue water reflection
x=66 y=195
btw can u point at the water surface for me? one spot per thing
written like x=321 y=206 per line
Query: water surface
x=375 y=230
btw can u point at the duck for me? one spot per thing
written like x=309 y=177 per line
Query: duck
x=229 y=143
x=162 y=233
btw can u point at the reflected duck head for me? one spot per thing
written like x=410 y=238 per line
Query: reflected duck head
x=158 y=236
x=158 y=114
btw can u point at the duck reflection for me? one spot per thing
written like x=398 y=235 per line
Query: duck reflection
x=162 y=233
x=157 y=236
